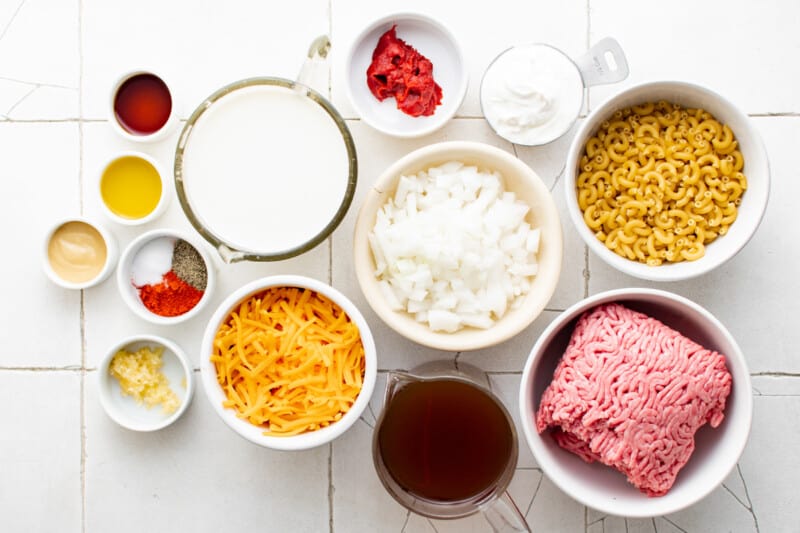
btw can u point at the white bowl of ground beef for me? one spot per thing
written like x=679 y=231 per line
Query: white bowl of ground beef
x=613 y=426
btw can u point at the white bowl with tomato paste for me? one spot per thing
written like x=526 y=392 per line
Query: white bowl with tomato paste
x=146 y=261
x=430 y=39
x=256 y=433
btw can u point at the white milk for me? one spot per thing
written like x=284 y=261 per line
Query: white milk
x=265 y=169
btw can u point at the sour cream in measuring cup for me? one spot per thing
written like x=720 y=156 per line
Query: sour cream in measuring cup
x=531 y=94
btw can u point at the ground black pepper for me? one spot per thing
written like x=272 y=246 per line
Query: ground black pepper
x=188 y=264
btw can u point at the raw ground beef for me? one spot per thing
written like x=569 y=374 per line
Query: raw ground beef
x=631 y=392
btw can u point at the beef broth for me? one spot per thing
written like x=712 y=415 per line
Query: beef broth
x=445 y=440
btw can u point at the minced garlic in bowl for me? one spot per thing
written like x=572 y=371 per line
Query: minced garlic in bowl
x=139 y=375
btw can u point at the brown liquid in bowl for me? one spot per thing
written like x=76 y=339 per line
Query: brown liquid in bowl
x=444 y=440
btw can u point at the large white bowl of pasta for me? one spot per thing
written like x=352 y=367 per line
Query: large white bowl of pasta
x=667 y=180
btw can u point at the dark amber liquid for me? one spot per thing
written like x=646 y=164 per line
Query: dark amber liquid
x=444 y=440
x=142 y=104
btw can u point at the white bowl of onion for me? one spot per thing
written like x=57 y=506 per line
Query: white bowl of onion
x=458 y=246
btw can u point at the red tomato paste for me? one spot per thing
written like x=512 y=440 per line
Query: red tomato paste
x=399 y=70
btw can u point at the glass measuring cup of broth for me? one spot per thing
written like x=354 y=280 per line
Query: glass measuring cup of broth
x=445 y=447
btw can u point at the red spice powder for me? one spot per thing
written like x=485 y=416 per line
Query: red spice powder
x=171 y=297
x=399 y=70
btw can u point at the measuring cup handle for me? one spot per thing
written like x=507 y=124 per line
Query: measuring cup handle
x=595 y=68
x=504 y=516
x=315 y=60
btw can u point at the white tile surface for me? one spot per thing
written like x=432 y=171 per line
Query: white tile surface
x=196 y=475
x=65 y=466
x=42 y=82
x=40 y=451
x=197 y=47
x=740 y=52
x=39 y=183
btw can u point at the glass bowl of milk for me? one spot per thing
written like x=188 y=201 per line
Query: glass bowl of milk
x=265 y=169
x=532 y=94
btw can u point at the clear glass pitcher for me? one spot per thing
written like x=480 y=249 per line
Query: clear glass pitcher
x=445 y=447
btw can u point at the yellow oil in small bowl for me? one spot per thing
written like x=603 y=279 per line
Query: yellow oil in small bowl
x=131 y=187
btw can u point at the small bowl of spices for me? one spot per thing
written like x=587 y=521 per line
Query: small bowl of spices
x=79 y=253
x=165 y=277
x=145 y=382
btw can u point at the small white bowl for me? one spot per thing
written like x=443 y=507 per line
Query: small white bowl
x=601 y=487
x=158 y=135
x=163 y=202
x=129 y=292
x=756 y=168
x=123 y=409
x=432 y=40
x=254 y=433
x=112 y=253
x=518 y=178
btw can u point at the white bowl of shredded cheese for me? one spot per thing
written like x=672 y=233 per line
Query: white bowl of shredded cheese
x=288 y=362
x=458 y=246
x=145 y=382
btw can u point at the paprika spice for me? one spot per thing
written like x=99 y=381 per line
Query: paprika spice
x=171 y=297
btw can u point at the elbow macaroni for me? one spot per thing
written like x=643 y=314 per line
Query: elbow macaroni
x=659 y=182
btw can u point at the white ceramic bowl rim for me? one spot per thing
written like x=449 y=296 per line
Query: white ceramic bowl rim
x=132 y=299
x=254 y=434
x=163 y=201
x=679 y=497
x=112 y=253
x=104 y=378
x=422 y=125
x=757 y=169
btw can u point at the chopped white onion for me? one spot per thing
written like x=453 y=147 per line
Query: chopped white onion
x=453 y=249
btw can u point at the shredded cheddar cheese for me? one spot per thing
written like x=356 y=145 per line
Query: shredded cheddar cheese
x=289 y=360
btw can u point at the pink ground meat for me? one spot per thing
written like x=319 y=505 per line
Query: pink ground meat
x=631 y=392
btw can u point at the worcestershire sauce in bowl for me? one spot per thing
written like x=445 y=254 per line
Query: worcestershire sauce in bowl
x=445 y=440
x=143 y=104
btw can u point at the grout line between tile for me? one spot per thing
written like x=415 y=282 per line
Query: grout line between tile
x=767 y=114
x=12 y=19
x=6 y=120
x=83 y=293
x=19 y=101
x=330 y=98
x=69 y=368
x=42 y=120
x=331 y=487
x=586 y=273
x=588 y=45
